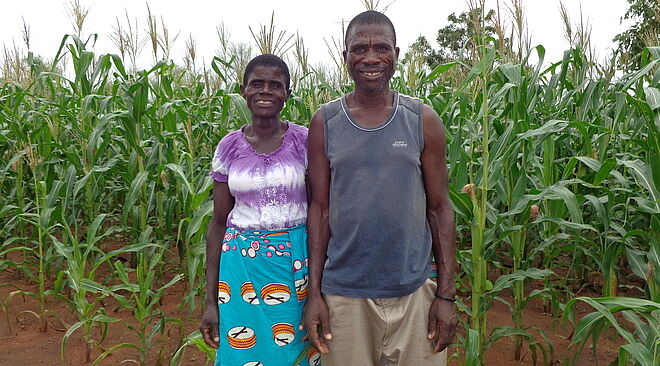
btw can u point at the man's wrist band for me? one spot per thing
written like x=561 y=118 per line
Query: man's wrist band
x=452 y=299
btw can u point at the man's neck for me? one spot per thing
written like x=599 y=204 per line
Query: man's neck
x=366 y=99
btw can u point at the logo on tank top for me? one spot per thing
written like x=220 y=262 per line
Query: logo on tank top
x=400 y=144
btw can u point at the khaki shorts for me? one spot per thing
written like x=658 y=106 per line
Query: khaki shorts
x=387 y=331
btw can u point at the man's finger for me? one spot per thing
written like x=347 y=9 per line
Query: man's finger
x=315 y=340
x=444 y=337
x=433 y=325
x=325 y=327
x=440 y=346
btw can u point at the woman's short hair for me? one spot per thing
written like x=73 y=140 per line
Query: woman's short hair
x=270 y=60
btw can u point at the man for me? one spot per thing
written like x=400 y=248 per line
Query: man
x=379 y=207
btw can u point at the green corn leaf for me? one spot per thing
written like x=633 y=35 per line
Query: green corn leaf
x=551 y=127
x=54 y=194
x=67 y=335
x=506 y=281
x=639 y=353
x=643 y=174
x=505 y=332
x=179 y=171
x=653 y=97
x=637 y=261
x=92 y=231
x=94 y=287
x=134 y=192
x=199 y=216
x=604 y=171
x=593 y=164
x=601 y=212
x=472 y=350
x=566 y=224
x=243 y=114
x=114 y=348
x=654 y=259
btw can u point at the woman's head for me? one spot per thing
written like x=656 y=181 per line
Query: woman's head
x=266 y=86
x=270 y=60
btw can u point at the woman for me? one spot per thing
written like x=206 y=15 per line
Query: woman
x=256 y=241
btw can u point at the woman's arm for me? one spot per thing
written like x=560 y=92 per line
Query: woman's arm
x=223 y=203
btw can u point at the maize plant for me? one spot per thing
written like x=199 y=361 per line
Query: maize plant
x=554 y=172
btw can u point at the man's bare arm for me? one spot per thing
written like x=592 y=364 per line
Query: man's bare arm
x=440 y=215
x=316 y=312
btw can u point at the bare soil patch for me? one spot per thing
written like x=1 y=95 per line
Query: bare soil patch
x=26 y=345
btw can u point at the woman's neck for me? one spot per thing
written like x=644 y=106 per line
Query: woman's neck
x=265 y=127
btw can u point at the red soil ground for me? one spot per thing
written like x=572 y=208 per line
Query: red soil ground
x=24 y=344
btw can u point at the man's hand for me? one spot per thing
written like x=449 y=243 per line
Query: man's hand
x=209 y=326
x=315 y=315
x=442 y=324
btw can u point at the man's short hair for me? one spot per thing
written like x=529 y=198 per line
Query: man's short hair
x=369 y=17
x=270 y=60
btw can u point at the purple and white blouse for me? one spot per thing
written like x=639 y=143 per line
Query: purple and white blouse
x=269 y=189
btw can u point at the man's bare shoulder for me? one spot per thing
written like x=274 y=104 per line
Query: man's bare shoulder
x=430 y=117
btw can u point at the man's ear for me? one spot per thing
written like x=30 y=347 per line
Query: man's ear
x=396 y=51
x=243 y=90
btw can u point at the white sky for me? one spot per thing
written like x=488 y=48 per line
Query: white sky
x=314 y=20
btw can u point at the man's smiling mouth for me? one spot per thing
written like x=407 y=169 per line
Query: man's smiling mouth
x=372 y=73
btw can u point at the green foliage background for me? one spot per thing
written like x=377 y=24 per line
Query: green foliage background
x=104 y=187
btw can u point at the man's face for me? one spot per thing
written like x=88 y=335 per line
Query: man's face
x=265 y=91
x=371 y=56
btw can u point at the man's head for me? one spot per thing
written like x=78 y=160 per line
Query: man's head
x=371 y=51
x=268 y=60
x=369 y=17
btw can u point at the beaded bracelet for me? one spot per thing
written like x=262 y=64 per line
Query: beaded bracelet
x=452 y=299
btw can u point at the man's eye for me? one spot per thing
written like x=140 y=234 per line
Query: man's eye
x=256 y=84
x=360 y=50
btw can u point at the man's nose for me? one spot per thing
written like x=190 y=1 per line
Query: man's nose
x=370 y=57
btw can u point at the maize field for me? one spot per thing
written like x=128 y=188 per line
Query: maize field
x=554 y=177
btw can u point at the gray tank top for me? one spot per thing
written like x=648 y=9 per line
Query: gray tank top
x=380 y=241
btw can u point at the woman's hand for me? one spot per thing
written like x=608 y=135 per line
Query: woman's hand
x=209 y=326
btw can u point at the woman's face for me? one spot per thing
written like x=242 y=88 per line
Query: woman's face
x=265 y=91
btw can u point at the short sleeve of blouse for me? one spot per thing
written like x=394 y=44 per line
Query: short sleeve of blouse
x=223 y=157
x=299 y=139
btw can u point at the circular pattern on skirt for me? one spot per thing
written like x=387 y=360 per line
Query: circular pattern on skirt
x=241 y=337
